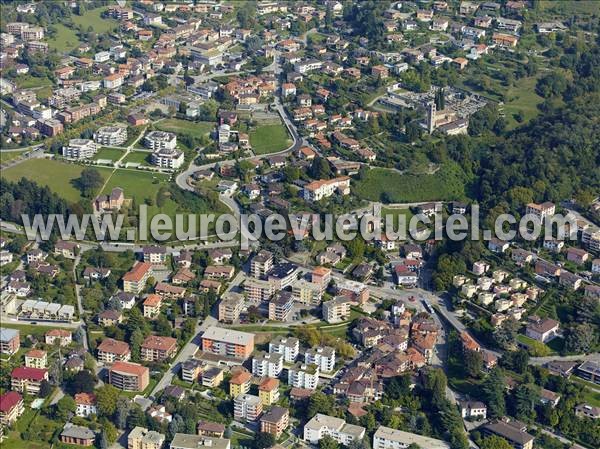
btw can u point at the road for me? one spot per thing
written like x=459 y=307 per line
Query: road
x=80 y=303
x=186 y=352
x=594 y=357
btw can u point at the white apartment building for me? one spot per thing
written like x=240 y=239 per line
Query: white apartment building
x=159 y=140
x=324 y=188
x=261 y=264
x=247 y=406
x=257 y=290
x=142 y=438
x=80 y=149
x=111 y=135
x=267 y=364
x=323 y=357
x=542 y=210
x=288 y=347
x=306 y=292
x=336 y=310
x=323 y=425
x=168 y=158
x=303 y=376
x=387 y=438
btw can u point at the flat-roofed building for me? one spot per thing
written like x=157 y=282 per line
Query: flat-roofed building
x=160 y=140
x=142 y=438
x=322 y=356
x=228 y=342
x=323 y=425
x=128 y=376
x=289 y=347
x=111 y=135
x=275 y=421
x=303 y=376
x=188 y=441
x=261 y=264
x=168 y=158
x=230 y=307
x=257 y=290
x=280 y=307
x=308 y=293
x=388 y=438
x=80 y=149
x=267 y=364
x=247 y=407
x=337 y=309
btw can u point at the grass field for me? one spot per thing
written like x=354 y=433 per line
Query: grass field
x=380 y=184
x=396 y=212
x=522 y=98
x=66 y=38
x=54 y=174
x=178 y=126
x=137 y=157
x=266 y=139
x=573 y=7
x=112 y=154
x=6 y=156
x=29 y=82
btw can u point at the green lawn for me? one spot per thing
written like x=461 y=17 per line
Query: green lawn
x=178 y=126
x=66 y=38
x=92 y=19
x=137 y=157
x=380 y=184
x=522 y=98
x=6 y=156
x=112 y=154
x=54 y=174
x=572 y=7
x=29 y=81
x=395 y=212
x=267 y=139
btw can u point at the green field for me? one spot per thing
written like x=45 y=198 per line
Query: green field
x=522 y=98
x=572 y=7
x=29 y=82
x=54 y=174
x=137 y=157
x=385 y=185
x=6 y=156
x=178 y=126
x=396 y=212
x=66 y=38
x=113 y=154
x=266 y=139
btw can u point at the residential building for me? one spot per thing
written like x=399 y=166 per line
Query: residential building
x=187 y=441
x=128 y=376
x=111 y=136
x=142 y=438
x=303 y=376
x=323 y=425
x=239 y=383
x=86 y=404
x=168 y=158
x=542 y=329
x=473 y=409
x=323 y=357
x=324 y=188
x=388 y=438
x=590 y=371
x=160 y=140
x=247 y=407
x=191 y=370
x=261 y=264
x=77 y=435
x=156 y=348
x=61 y=336
x=212 y=377
x=513 y=431
x=280 y=307
x=10 y=341
x=230 y=307
x=36 y=358
x=27 y=380
x=587 y=411
x=155 y=255
x=111 y=350
x=305 y=292
x=257 y=290
x=80 y=149
x=267 y=364
x=134 y=281
x=286 y=346
x=228 y=342
x=152 y=305
x=337 y=309
x=275 y=421
x=268 y=391
x=11 y=407
x=210 y=429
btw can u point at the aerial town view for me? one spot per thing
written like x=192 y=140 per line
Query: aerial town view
x=300 y=224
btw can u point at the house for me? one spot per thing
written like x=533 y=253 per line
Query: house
x=473 y=409
x=549 y=397
x=541 y=329
x=62 y=336
x=86 y=404
x=28 y=380
x=505 y=40
x=36 y=358
x=142 y=438
x=380 y=71
x=11 y=407
x=155 y=255
x=69 y=250
x=110 y=317
x=95 y=273
x=322 y=425
x=10 y=341
x=210 y=429
x=324 y=188
x=77 y=435
x=577 y=255
x=554 y=245
x=587 y=411
x=498 y=246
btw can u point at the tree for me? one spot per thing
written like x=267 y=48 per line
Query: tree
x=320 y=402
x=45 y=389
x=581 y=338
x=102 y=441
x=81 y=382
x=493 y=389
x=319 y=169
x=473 y=363
x=264 y=440
x=106 y=400
x=89 y=182
x=137 y=338
x=328 y=442
x=494 y=442
x=65 y=407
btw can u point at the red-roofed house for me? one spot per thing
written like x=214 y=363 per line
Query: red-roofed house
x=24 y=379
x=11 y=407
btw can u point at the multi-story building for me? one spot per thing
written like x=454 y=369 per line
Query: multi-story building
x=275 y=421
x=589 y=370
x=268 y=391
x=160 y=140
x=257 y=290
x=261 y=264
x=323 y=357
x=168 y=158
x=239 y=383
x=155 y=255
x=323 y=425
x=11 y=407
x=280 y=307
x=77 y=435
x=111 y=135
x=308 y=293
x=128 y=376
x=542 y=210
x=191 y=370
x=61 y=336
x=113 y=81
x=337 y=309
x=111 y=350
x=142 y=438
x=134 y=281
x=80 y=149
x=228 y=342
x=10 y=341
x=283 y=275
x=247 y=407
x=324 y=188
x=388 y=438
x=156 y=348
x=86 y=404
x=267 y=364
x=28 y=380
x=303 y=376
x=289 y=347
x=514 y=432
x=152 y=305
x=230 y=307
x=188 y=441
x=212 y=377
x=32 y=33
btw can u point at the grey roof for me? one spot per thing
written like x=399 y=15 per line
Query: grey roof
x=73 y=431
x=8 y=334
x=187 y=441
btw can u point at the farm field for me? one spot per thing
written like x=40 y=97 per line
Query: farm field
x=380 y=184
x=266 y=139
x=178 y=126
